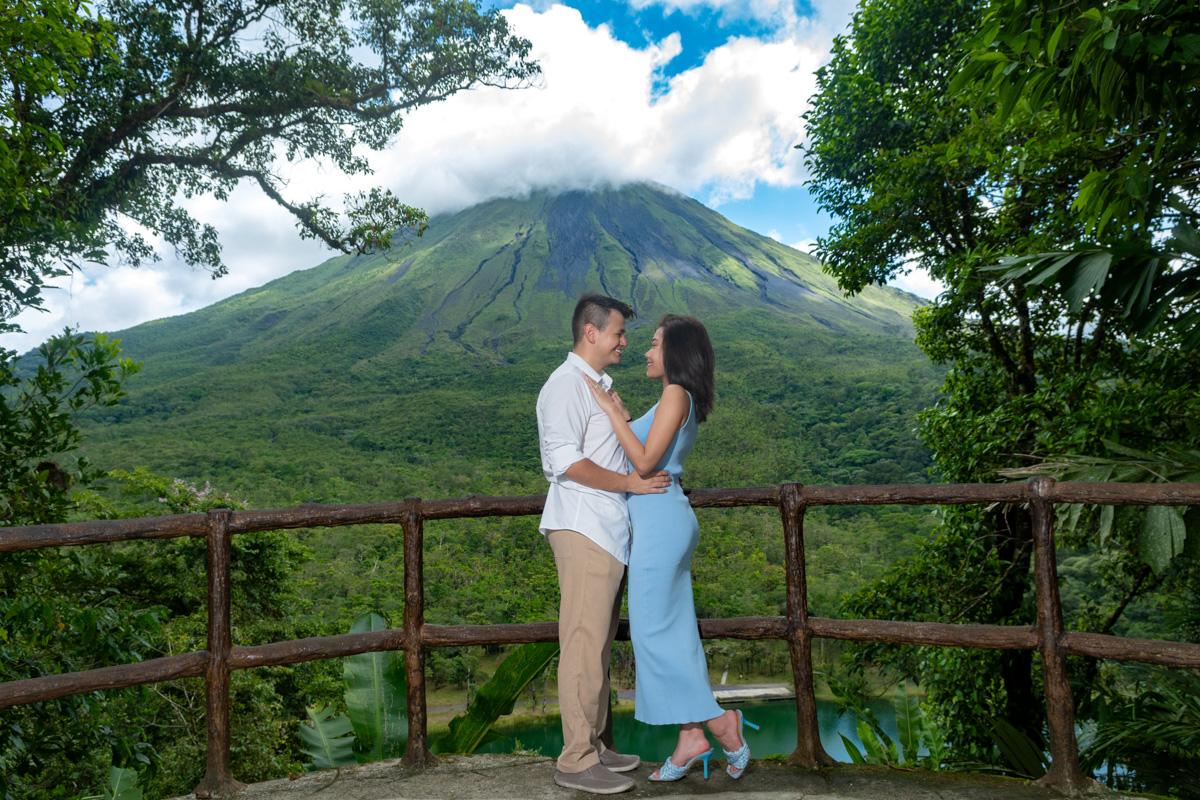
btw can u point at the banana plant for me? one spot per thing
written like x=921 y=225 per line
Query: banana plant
x=376 y=697
x=328 y=740
x=913 y=730
x=496 y=698
x=376 y=726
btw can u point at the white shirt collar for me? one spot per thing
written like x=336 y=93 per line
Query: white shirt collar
x=602 y=378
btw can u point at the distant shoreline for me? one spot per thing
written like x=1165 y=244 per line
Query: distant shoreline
x=724 y=694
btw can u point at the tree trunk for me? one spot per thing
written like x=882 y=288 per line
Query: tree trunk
x=1024 y=706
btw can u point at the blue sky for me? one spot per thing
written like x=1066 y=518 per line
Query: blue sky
x=704 y=96
x=701 y=28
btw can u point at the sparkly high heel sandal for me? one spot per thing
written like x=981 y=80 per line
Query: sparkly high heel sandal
x=740 y=757
x=670 y=772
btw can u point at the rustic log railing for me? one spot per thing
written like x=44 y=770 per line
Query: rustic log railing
x=798 y=629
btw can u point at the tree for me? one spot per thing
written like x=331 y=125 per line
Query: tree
x=918 y=175
x=1129 y=72
x=113 y=113
x=59 y=611
x=39 y=421
x=76 y=608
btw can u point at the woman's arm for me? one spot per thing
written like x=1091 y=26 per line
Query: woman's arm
x=672 y=410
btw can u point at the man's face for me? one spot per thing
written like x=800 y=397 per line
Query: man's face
x=610 y=341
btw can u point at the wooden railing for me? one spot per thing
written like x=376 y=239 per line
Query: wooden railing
x=798 y=629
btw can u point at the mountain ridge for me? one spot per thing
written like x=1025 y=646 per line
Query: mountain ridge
x=494 y=276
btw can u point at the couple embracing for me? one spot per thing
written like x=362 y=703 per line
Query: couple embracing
x=595 y=456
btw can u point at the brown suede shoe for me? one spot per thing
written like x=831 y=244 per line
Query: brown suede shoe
x=620 y=762
x=597 y=779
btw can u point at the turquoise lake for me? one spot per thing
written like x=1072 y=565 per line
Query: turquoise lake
x=776 y=719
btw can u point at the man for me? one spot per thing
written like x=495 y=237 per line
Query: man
x=586 y=522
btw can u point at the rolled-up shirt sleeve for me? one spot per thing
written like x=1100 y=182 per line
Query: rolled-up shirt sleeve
x=564 y=415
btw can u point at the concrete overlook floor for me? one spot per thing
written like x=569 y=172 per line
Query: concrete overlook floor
x=484 y=777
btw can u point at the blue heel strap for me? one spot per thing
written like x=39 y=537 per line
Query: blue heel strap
x=670 y=772
x=738 y=759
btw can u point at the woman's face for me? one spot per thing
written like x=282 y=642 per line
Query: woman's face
x=654 y=357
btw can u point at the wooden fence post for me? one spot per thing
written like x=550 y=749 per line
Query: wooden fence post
x=809 y=750
x=416 y=752
x=218 y=779
x=1064 y=773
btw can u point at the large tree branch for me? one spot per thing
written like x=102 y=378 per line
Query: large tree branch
x=987 y=593
x=1137 y=589
x=100 y=144
x=1099 y=335
x=1027 y=377
x=306 y=216
x=968 y=219
x=993 y=338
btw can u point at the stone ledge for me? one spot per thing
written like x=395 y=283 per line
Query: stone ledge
x=499 y=777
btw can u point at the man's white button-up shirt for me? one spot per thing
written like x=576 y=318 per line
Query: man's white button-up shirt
x=572 y=427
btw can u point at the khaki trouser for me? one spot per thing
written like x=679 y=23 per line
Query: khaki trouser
x=589 y=581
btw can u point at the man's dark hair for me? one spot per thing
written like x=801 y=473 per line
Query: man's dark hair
x=595 y=309
x=689 y=361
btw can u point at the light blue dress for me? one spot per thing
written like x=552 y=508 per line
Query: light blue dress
x=671 y=672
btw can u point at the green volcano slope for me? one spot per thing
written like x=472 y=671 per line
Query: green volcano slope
x=496 y=276
x=351 y=380
x=415 y=373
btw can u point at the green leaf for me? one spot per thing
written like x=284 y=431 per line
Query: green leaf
x=1023 y=754
x=1106 y=523
x=328 y=740
x=856 y=756
x=1052 y=46
x=1043 y=274
x=375 y=697
x=1087 y=277
x=935 y=743
x=1187 y=238
x=496 y=697
x=1162 y=536
x=871 y=742
x=1070 y=520
x=122 y=785
x=908 y=723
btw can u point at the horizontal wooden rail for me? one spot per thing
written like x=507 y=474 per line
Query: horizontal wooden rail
x=317 y=648
x=1147 y=651
x=313 y=515
x=121 y=676
x=984 y=637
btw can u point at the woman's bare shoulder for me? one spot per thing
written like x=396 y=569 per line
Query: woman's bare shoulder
x=675 y=392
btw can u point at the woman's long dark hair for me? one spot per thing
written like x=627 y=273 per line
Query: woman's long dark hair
x=689 y=361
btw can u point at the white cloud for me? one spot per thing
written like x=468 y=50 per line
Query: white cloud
x=919 y=283
x=805 y=246
x=600 y=116
x=260 y=244
x=728 y=123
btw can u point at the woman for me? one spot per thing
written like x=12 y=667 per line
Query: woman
x=672 y=674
